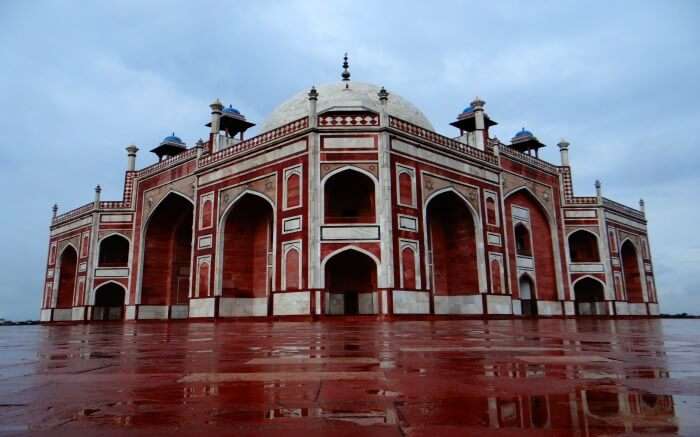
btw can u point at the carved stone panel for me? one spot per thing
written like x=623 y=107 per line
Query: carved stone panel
x=432 y=184
x=75 y=241
x=184 y=186
x=368 y=167
x=266 y=186
x=106 y=232
x=543 y=193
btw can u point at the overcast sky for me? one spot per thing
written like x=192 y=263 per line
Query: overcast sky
x=81 y=80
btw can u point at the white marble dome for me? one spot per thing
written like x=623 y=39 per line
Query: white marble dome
x=335 y=95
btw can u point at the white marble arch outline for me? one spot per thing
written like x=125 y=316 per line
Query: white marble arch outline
x=220 y=227
x=345 y=249
x=479 y=235
x=640 y=268
x=57 y=273
x=93 y=292
x=362 y=171
x=142 y=238
x=555 y=239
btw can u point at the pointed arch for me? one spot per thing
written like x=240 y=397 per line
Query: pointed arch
x=527 y=292
x=474 y=250
x=543 y=237
x=350 y=281
x=589 y=296
x=113 y=250
x=155 y=206
x=632 y=271
x=584 y=246
x=246 y=245
x=67 y=273
x=108 y=301
x=166 y=251
x=340 y=204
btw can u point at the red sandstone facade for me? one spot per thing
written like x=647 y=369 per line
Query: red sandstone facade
x=348 y=203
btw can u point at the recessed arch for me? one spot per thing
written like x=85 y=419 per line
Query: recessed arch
x=349 y=195
x=344 y=249
x=629 y=254
x=166 y=251
x=246 y=246
x=543 y=239
x=109 y=298
x=350 y=282
x=468 y=276
x=523 y=243
x=155 y=206
x=113 y=250
x=583 y=246
x=589 y=295
x=67 y=276
x=527 y=292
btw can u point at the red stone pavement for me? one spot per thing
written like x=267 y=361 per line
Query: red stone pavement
x=352 y=377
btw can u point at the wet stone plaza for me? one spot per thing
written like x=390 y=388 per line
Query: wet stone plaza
x=353 y=376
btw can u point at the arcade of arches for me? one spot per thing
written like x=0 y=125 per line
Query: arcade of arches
x=349 y=198
x=168 y=244
x=351 y=283
x=247 y=248
x=68 y=266
x=452 y=246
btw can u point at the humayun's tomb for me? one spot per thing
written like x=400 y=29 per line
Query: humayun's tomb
x=348 y=202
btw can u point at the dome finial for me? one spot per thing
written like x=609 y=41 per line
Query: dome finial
x=346 y=72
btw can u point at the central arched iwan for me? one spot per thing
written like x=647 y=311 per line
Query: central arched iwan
x=167 y=251
x=247 y=248
x=452 y=246
x=542 y=249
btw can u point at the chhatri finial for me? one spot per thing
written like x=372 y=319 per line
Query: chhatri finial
x=383 y=95
x=346 y=71
x=313 y=94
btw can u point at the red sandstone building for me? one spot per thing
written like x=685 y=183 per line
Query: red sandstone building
x=348 y=202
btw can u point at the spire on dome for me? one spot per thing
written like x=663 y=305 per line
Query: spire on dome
x=346 y=72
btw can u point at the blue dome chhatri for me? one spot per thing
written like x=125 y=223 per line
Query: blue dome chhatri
x=523 y=133
x=231 y=110
x=172 y=139
x=469 y=109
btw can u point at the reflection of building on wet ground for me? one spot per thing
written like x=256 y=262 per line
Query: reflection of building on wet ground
x=348 y=203
x=584 y=377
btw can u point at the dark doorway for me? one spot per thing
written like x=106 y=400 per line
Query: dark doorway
x=351 y=303
x=351 y=283
x=590 y=297
x=109 y=302
x=528 y=301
